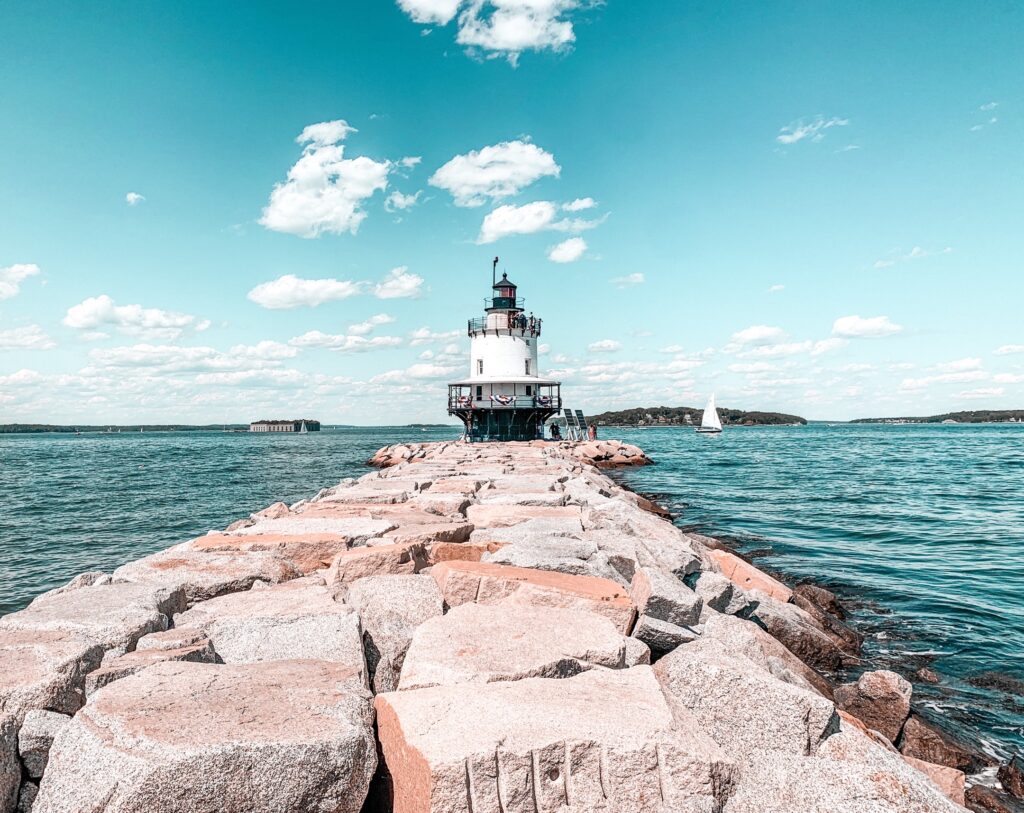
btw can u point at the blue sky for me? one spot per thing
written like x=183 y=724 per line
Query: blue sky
x=217 y=213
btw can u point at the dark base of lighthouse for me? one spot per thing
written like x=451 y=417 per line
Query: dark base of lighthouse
x=503 y=424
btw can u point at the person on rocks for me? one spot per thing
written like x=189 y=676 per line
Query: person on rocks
x=592 y=432
x=556 y=432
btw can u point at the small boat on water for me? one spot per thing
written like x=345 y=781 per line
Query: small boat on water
x=303 y=430
x=710 y=424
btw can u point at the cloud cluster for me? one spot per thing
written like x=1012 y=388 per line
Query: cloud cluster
x=861 y=327
x=98 y=313
x=628 y=281
x=568 y=251
x=813 y=129
x=325 y=192
x=495 y=172
x=12 y=276
x=289 y=291
x=30 y=337
x=530 y=218
x=501 y=28
x=916 y=253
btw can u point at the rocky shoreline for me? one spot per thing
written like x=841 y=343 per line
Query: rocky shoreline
x=485 y=627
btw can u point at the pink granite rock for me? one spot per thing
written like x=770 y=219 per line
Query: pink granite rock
x=485 y=583
x=390 y=609
x=797 y=631
x=377 y=560
x=114 y=616
x=284 y=622
x=662 y=596
x=197 y=651
x=253 y=738
x=949 y=780
x=10 y=770
x=476 y=643
x=308 y=552
x=501 y=516
x=748 y=577
x=44 y=670
x=35 y=738
x=206 y=574
x=604 y=740
x=881 y=699
x=743 y=708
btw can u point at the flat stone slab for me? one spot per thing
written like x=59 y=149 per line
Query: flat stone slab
x=308 y=552
x=390 y=609
x=357 y=529
x=44 y=670
x=377 y=560
x=114 y=616
x=464 y=582
x=198 y=651
x=662 y=596
x=501 y=516
x=181 y=737
x=476 y=643
x=749 y=577
x=206 y=574
x=430 y=533
x=743 y=708
x=285 y=622
x=604 y=740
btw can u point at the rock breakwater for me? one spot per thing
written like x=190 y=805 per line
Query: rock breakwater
x=485 y=627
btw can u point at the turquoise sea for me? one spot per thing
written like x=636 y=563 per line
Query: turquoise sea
x=919 y=529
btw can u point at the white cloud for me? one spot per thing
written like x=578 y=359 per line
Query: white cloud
x=290 y=291
x=134 y=320
x=628 y=281
x=529 y=218
x=1008 y=378
x=134 y=198
x=417 y=372
x=20 y=378
x=1009 y=349
x=31 y=337
x=494 y=172
x=344 y=343
x=411 y=161
x=961 y=377
x=362 y=328
x=396 y=201
x=672 y=348
x=983 y=392
x=325 y=191
x=501 y=28
x=774 y=289
x=959 y=365
x=604 y=346
x=814 y=129
x=916 y=253
x=12 y=276
x=826 y=345
x=860 y=327
x=430 y=12
x=171 y=358
x=543 y=349
x=579 y=205
x=425 y=335
x=568 y=251
x=758 y=335
x=399 y=284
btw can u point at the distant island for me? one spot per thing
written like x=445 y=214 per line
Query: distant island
x=38 y=428
x=690 y=416
x=973 y=416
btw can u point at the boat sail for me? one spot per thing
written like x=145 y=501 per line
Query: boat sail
x=303 y=430
x=709 y=422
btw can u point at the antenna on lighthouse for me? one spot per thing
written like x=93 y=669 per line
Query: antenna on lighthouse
x=494 y=272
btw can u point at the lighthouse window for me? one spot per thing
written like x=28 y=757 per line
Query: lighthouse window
x=527 y=366
x=529 y=390
x=479 y=393
x=479 y=366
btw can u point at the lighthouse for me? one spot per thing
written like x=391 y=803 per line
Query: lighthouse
x=505 y=397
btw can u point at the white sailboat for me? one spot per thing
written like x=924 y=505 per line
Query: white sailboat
x=710 y=424
x=303 y=430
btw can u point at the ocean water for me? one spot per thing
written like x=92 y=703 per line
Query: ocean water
x=919 y=529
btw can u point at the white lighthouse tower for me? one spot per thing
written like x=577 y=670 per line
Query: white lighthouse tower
x=504 y=397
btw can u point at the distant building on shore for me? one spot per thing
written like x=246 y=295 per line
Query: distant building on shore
x=300 y=426
x=505 y=397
